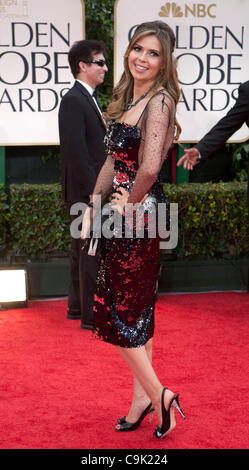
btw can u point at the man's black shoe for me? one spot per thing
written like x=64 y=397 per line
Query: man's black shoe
x=86 y=326
x=73 y=315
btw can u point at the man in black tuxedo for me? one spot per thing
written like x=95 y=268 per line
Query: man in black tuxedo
x=82 y=131
x=220 y=133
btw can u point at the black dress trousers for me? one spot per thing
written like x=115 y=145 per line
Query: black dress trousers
x=83 y=273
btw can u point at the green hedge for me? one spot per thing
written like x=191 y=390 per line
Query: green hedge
x=213 y=220
x=3 y=218
x=38 y=224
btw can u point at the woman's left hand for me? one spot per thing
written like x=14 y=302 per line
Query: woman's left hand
x=119 y=200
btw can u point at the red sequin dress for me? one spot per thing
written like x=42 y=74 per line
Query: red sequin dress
x=126 y=282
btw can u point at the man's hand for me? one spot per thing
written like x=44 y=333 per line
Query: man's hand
x=189 y=159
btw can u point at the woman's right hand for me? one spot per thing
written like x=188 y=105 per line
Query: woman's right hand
x=86 y=223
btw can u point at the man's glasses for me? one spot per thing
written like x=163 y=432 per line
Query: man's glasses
x=99 y=62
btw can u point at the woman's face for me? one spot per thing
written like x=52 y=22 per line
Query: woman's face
x=145 y=59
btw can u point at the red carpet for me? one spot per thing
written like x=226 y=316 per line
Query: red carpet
x=62 y=389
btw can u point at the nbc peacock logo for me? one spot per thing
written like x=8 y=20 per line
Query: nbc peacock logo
x=172 y=8
x=199 y=10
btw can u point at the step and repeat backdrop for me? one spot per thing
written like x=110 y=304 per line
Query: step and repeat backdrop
x=35 y=36
x=212 y=49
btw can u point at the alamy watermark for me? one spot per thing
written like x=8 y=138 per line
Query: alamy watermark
x=161 y=220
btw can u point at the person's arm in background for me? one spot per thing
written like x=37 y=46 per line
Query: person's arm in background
x=221 y=132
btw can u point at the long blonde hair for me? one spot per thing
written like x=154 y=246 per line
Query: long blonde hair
x=166 y=78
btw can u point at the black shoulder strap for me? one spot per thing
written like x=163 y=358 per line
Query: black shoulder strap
x=162 y=91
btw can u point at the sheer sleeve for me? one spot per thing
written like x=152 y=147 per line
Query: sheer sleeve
x=104 y=181
x=157 y=131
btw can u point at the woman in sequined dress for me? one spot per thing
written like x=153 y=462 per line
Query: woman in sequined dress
x=141 y=124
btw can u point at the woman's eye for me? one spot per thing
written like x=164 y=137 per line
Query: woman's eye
x=151 y=53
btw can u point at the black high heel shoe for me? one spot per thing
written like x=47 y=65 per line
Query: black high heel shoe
x=168 y=417
x=125 y=426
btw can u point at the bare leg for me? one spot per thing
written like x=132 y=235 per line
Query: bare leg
x=140 y=399
x=141 y=366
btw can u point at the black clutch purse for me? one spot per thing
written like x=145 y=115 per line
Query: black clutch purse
x=92 y=244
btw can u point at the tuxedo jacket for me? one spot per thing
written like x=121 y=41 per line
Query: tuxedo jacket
x=220 y=133
x=82 y=131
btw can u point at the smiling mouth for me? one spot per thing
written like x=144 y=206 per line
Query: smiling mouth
x=141 y=68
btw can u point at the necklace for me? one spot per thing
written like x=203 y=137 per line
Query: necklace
x=131 y=105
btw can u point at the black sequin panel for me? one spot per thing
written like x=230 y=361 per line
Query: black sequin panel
x=122 y=136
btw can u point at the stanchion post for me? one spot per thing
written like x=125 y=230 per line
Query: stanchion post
x=182 y=175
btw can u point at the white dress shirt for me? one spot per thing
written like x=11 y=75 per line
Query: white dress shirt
x=91 y=91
